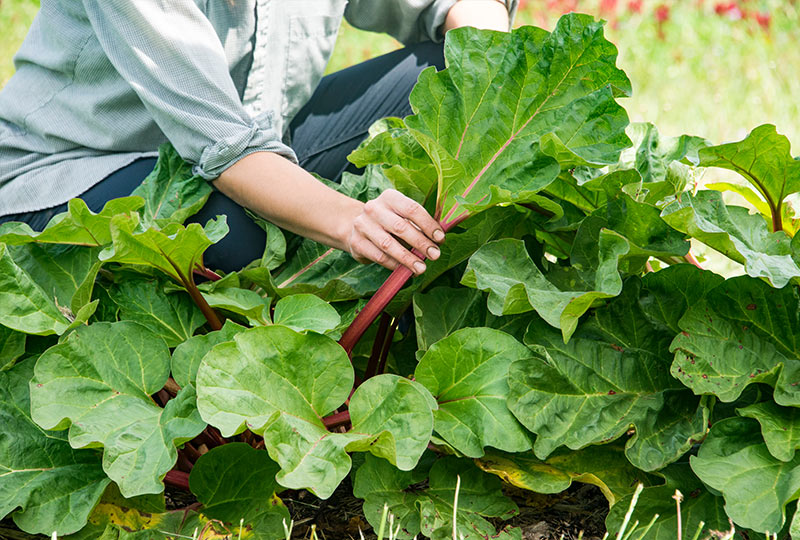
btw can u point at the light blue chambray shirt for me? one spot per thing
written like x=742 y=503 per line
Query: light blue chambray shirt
x=101 y=83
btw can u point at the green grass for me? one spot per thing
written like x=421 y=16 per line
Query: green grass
x=706 y=75
x=15 y=18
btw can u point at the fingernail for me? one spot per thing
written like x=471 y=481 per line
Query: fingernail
x=433 y=252
x=419 y=267
x=438 y=235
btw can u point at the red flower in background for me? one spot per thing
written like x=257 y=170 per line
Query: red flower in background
x=662 y=13
x=562 y=6
x=730 y=10
x=608 y=6
x=635 y=6
x=763 y=19
x=662 y=16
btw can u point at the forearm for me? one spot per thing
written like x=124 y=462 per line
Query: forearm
x=288 y=196
x=485 y=14
x=285 y=194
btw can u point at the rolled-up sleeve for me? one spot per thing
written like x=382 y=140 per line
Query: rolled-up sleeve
x=169 y=53
x=408 y=21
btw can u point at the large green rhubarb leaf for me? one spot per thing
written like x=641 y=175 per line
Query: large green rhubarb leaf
x=175 y=250
x=736 y=233
x=45 y=484
x=508 y=113
x=756 y=486
x=662 y=434
x=430 y=510
x=279 y=383
x=590 y=391
x=98 y=382
x=171 y=192
x=699 y=505
x=467 y=372
x=764 y=159
x=78 y=225
x=400 y=411
x=66 y=273
x=236 y=482
x=744 y=332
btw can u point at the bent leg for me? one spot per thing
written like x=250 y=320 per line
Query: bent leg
x=120 y=183
x=346 y=103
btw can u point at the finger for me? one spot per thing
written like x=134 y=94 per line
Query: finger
x=388 y=244
x=364 y=251
x=402 y=228
x=414 y=212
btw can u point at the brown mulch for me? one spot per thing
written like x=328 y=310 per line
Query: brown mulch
x=580 y=509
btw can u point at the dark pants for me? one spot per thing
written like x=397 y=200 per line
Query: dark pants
x=324 y=132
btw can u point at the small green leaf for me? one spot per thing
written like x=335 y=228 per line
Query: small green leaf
x=736 y=233
x=187 y=356
x=98 y=382
x=467 y=372
x=77 y=226
x=780 y=427
x=302 y=312
x=668 y=293
x=174 y=316
x=516 y=285
x=274 y=246
x=66 y=272
x=171 y=192
x=764 y=159
x=235 y=482
x=245 y=302
x=175 y=250
x=44 y=484
x=585 y=392
x=400 y=412
x=756 y=486
x=408 y=165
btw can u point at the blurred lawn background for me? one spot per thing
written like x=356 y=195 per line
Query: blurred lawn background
x=713 y=68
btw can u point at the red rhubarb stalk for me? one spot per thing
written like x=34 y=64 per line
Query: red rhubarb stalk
x=337 y=419
x=178 y=479
x=384 y=295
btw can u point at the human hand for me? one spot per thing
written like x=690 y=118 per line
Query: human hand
x=386 y=220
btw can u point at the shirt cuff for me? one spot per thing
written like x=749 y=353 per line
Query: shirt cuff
x=258 y=137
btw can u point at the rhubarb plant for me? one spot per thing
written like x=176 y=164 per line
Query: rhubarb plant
x=566 y=334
